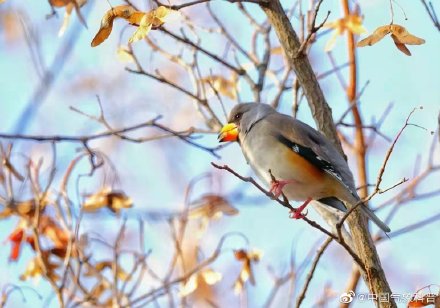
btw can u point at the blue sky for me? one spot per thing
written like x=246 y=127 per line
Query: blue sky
x=155 y=174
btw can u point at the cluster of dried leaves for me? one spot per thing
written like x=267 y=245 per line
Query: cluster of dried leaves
x=401 y=37
x=353 y=23
x=145 y=21
x=55 y=247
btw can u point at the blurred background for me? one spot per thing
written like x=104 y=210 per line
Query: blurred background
x=46 y=78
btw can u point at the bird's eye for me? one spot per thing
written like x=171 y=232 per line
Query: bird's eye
x=237 y=116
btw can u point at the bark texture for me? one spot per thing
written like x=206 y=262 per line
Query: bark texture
x=374 y=275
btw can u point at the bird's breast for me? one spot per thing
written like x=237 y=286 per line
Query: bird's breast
x=264 y=153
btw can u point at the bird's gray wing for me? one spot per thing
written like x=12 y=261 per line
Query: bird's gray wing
x=313 y=146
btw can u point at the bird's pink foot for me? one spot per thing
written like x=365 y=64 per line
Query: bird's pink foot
x=276 y=187
x=297 y=214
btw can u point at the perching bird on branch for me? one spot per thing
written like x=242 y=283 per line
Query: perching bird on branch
x=304 y=165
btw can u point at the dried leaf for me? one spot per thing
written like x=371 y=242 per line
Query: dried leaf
x=59 y=3
x=189 y=287
x=207 y=276
x=246 y=273
x=144 y=21
x=122 y=11
x=150 y=20
x=35 y=269
x=405 y=37
x=226 y=87
x=400 y=46
x=49 y=228
x=377 y=35
x=399 y=34
x=114 y=200
x=142 y=31
x=211 y=277
x=16 y=238
x=351 y=23
x=212 y=206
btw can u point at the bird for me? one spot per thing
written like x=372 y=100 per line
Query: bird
x=293 y=158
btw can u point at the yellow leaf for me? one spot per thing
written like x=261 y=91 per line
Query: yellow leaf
x=211 y=277
x=246 y=274
x=114 y=200
x=189 y=287
x=142 y=31
x=238 y=286
x=150 y=20
x=35 y=269
x=351 y=23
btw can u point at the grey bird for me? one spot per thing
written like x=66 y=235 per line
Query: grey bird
x=305 y=164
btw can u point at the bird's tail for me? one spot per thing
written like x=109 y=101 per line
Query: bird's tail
x=374 y=218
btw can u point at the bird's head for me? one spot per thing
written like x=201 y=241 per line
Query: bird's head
x=241 y=118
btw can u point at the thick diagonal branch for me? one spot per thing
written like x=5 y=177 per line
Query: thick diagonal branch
x=374 y=275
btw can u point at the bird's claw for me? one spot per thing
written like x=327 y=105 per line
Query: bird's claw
x=276 y=187
x=296 y=214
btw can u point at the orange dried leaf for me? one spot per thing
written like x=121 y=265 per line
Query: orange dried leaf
x=16 y=238
x=404 y=37
x=59 y=3
x=49 y=228
x=400 y=46
x=114 y=200
x=136 y=17
x=122 y=11
x=399 y=34
x=377 y=35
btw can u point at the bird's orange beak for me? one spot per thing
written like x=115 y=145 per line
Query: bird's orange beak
x=229 y=132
